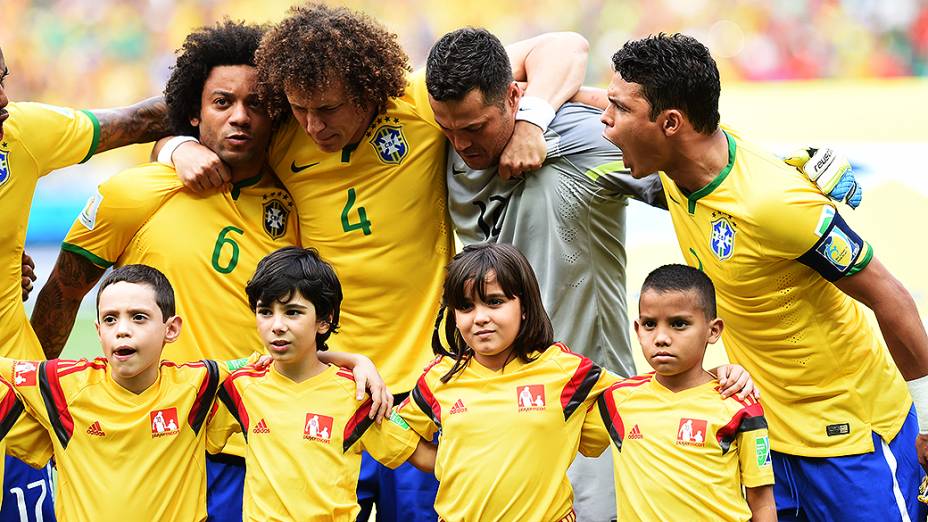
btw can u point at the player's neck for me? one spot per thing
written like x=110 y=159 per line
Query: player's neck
x=699 y=160
x=138 y=383
x=248 y=171
x=302 y=369
x=691 y=378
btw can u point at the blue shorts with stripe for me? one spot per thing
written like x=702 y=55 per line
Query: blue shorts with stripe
x=880 y=485
x=27 y=493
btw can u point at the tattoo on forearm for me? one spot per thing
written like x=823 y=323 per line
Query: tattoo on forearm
x=57 y=304
x=140 y=123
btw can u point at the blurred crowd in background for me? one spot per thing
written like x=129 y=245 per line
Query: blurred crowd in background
x=94 y=53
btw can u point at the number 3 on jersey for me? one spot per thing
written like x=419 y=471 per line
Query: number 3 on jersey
x=363 y=224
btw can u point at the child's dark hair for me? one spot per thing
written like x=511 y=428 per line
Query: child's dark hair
x=681 y=278
x=143 y=275
x=515 y=277
x=295 y=269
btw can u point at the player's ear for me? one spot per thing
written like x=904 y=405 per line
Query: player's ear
x=172 y=332
x=672 y=121
x=324 y=325
x=715 y=330
x=513 y=95
x=195 y=122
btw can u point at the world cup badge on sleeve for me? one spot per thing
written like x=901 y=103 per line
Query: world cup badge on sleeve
x=722 y=239
x=390 y=143
x=4 y=166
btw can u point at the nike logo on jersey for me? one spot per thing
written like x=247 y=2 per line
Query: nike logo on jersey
x=294 y=168
x=456 y=172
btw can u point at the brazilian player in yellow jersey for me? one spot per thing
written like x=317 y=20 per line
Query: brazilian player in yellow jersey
x=681 y=451
x=364 y=161
x=304 y=426
x=786 y=266
x=34 y=140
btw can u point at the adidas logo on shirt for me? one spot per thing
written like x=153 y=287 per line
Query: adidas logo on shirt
x=635 y=433
x=261 y=427
x=95 y=429
x=458 y=407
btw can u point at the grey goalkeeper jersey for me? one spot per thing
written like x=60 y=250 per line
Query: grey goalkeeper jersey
x=568 y=218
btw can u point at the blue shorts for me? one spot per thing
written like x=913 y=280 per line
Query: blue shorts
x=27 y=493
x=404 y=494
x=880 y=485
x=225 y=486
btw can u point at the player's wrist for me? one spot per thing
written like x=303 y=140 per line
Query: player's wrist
x=536 y=111
x=918 y=388
x=166 y=155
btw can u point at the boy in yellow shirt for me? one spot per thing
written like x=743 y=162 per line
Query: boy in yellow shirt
x=303 y=424
x=681 y=450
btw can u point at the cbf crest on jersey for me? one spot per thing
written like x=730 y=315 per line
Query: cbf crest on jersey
x=4 y=166
x=722 y=240
x=390 y=143
x=275 y=218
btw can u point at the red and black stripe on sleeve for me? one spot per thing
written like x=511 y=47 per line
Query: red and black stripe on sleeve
x=611 y=417
x=748 y=418
x=357 y=424
x=578 y=387
x=10 y=410
x=55 y=404
x=426 y=401
x=205 y=396
x=229 y=396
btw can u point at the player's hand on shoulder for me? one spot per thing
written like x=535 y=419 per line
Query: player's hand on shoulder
x=735 y=380
x=199 y=168
x=831 y=171
x=28 y=270
x=525 y=152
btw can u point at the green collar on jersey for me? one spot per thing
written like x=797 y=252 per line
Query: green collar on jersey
x=239 y=185
x=705 y=191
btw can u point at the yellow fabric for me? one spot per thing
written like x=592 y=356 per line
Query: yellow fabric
x=28 y=441
x=291 y=475
x=667 y=472
x=807 y=345
x=498 y=459
x=119 y=463
x=207 y=245
x=37 y=139
x=392 y=271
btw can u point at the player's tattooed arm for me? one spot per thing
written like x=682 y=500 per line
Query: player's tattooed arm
x=58 y=301
x=142 y=122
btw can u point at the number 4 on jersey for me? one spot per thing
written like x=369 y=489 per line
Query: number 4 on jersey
x=363 y=224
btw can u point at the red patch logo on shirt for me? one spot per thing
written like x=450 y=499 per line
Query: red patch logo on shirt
x=164 y=422
x=692 y=432
x=24 y=373
x=530 y=397
x=317 y=427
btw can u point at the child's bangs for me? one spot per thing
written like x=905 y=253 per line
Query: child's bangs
x=475 y=270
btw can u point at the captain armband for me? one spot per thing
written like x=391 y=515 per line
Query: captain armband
x=839 y=251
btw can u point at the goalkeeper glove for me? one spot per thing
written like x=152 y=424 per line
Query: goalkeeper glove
x=923 y=491
x=830 y=171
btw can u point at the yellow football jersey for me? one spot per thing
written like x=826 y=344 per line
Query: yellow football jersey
x=684 y=455
x=29 y=442
x=36 y=139
x=503 y=451
x=304 y=442
x=207 y=245
x=757 y=230
x=378 y=214
x=121 y=455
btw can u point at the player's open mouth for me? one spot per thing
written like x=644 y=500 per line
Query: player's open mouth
x=124 y=352
x=279 y=345
x=238 y=139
